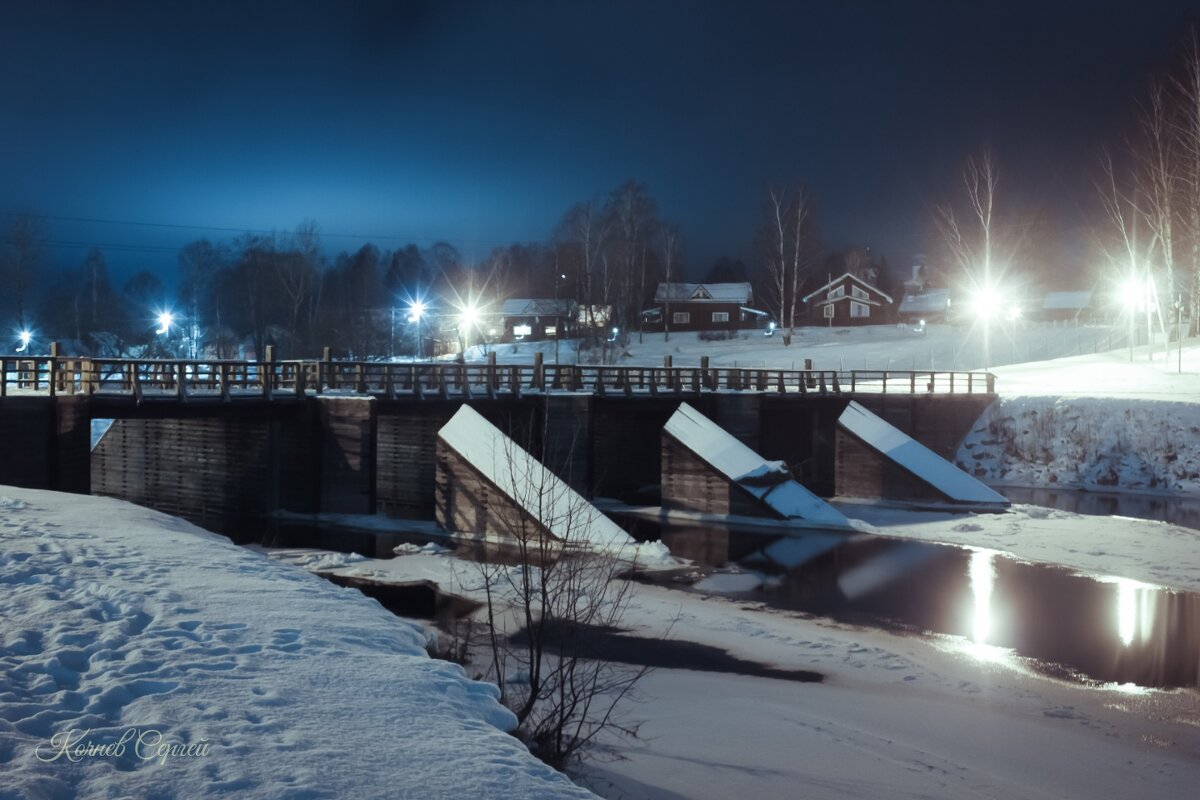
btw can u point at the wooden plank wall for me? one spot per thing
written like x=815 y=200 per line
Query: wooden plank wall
x=863 y=472
x=200 y=468
x=406 y=459
x=467 y=502
x=347 y=455
x=25 y=431
x=691 y=484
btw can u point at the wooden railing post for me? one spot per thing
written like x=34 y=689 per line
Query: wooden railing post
x=538 y=380
x=991 y=383
x=266 y=371
x=325 y=370
x=704 y=372
x=492 y=383
x=53 y=376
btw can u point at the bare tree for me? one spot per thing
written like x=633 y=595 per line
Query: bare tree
x=787 y=243
x=671 y=248
x=971 y=241
x=20 y=260
x=634 y=218
x=1187 y=134
x=546 y=594
x=585 y=229
x=297 y=273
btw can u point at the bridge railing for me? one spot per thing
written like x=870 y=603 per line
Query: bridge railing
x=187 y=378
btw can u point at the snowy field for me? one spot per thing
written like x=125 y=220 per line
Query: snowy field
x=124 y=623
x=873 y=347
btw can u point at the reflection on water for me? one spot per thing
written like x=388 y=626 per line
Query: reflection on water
x=983 y=578
x=1183 y=511
x=1108 y=630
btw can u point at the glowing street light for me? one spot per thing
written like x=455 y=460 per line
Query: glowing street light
x=24 y=337
x=988 y=303
x=416 y=310
x=165 y=320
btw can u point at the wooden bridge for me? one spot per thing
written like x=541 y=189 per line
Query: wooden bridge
x=269 y=379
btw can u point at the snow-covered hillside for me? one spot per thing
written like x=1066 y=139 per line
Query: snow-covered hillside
x=117 y=619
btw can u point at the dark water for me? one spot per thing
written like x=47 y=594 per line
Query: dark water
x=1107 y=630
x=1098 y=629
x=1183 y=511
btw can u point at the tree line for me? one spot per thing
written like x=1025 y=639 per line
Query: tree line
x=608 y=254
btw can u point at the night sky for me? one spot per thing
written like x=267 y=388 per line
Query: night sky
x=480 y=123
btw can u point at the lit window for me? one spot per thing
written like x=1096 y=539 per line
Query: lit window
x=522 y=330
x=681 y=317
x=720 y=316
x=859 y=309
x=551 y=330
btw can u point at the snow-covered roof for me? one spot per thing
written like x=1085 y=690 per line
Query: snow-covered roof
x=1069 y=301
x=537 y=307
x=841 y=278
x=769 y=481
x=933 y=301
x=704 y=293
x=528 y=483
x=915 y=457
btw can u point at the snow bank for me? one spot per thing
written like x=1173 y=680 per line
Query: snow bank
x=1086 y=442
x=118 y=619
x=915 y=457
x=769 y=481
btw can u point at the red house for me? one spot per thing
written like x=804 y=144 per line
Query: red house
x=848 y=300
x=702 y=307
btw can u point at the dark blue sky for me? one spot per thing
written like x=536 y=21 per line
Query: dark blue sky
x=480 y=123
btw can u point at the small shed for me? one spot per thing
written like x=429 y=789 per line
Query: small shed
x=526 y=319
x=848 y=300
x=702 y=307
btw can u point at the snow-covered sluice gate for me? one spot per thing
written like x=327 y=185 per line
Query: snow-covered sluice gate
x=212 y=460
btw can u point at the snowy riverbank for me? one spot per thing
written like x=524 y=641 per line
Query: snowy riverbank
x=117 y=619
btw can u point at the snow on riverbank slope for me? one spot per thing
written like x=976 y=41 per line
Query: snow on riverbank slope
x=117 y=618
x=1098 y=421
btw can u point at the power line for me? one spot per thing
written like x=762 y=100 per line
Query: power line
x=411 y=237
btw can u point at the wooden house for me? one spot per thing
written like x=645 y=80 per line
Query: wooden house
x=702 y=307
x=848 y=300
x=528 y=319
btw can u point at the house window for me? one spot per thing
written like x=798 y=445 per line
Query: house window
x=859 y=309
x=859 y=293
x=720 y=316
x=522 y=330
x=829 y=311
x=551 y=330
x=681 y=317
x=836 y=293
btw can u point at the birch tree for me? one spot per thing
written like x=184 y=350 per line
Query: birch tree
x=786 y=242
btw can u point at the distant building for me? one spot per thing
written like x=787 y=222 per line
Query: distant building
x=848 y=300
x=931 y=305
x=532 y=319
x=703 y=307
x=1074 y=305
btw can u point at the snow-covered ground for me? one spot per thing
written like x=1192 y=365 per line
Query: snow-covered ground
x=896 y=716
x=120 y=622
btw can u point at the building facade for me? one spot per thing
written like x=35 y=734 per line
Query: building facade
x=848 y=300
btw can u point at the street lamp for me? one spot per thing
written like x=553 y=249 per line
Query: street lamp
x=988 y=303
x=24 y=337
x=468 y=317
x=165 y=320
x=416 y=310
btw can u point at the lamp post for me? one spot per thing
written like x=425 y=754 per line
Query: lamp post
x=24 y=337
x=416 y=310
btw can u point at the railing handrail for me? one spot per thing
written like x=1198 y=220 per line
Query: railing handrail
x=181 y=375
